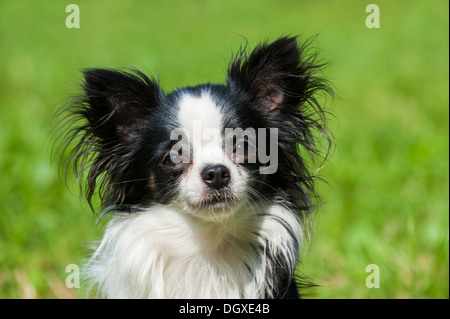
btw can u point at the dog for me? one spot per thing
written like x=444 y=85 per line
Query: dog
x=208 y=189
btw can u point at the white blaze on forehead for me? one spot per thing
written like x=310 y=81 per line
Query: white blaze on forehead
x=201 y=117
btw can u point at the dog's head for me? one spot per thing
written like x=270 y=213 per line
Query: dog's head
x=206 y=149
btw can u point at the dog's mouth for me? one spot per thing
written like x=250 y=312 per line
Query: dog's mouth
x=216 y=200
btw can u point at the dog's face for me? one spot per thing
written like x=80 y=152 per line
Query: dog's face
x=212 y=159
x=207 y=149
x=212 y=179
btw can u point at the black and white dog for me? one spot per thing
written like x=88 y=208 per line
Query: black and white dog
x=208 y=188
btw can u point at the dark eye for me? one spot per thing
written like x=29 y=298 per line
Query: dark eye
x=171 y=160
x=176 y=160
x=241 y=147
x=241 y=151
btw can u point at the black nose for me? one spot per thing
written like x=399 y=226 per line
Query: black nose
x=216 y=176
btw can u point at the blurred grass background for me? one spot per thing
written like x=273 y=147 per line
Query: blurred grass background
x=386 y=200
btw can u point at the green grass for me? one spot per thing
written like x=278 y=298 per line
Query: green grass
x=386 y=201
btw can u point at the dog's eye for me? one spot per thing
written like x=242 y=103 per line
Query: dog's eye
x=241 y=151
x=175 y=161
x=241 y=148
x=171 y=160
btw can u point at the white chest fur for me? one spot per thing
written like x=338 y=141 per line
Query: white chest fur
x=163 y=253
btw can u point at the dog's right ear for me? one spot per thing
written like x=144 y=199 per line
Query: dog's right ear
x=118 y=104
x=107 y=121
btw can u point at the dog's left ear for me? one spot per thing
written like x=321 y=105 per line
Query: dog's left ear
x=273 y=75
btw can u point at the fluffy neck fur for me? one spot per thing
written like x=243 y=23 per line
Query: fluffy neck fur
x=164 y=253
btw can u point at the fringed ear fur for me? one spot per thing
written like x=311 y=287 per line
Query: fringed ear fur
x=278 y=75
x=107 y=121
x=119 y=102
x=282 y=80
